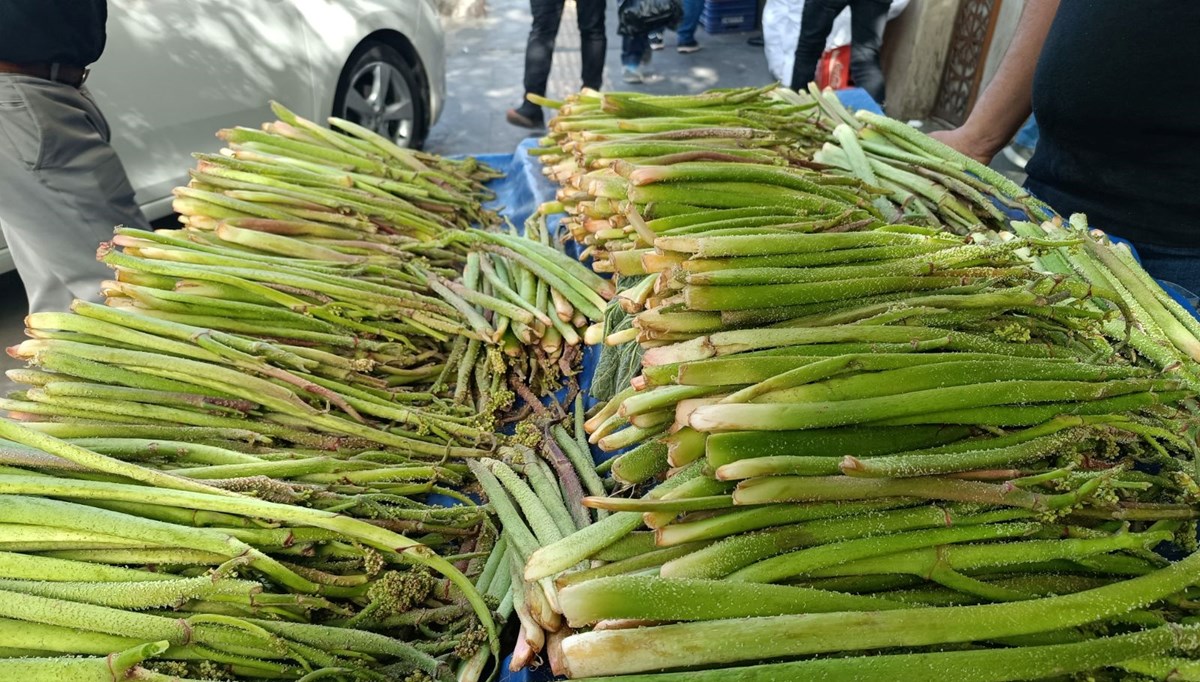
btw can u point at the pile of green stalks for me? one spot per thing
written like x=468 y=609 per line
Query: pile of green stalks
x=323 y=336
x=410 y=334
x=159 y=572
x=886 y=451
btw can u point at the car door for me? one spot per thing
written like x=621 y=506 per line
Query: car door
x=176 y=71
x=6 y=261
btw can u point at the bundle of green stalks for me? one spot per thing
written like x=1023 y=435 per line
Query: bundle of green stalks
x=927 y=183
x=887 y=452
x=493 y=287
x=339 y=185
x=551 y=301
x=537 y=491
x=119 y=365
x=164 y=574
x=634 y=166
x=412 y=334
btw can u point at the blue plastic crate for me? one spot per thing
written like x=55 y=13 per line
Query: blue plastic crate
x=728 y=6
x=728 y=23
x=725 y=16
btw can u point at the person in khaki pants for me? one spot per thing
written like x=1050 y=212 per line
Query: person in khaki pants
x=62 y=187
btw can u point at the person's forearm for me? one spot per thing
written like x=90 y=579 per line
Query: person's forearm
x=1007 y=101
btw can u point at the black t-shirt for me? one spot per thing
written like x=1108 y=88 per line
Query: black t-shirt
x=1117 y=100
x=65 y=31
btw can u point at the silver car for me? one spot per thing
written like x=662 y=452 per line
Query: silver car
x=176 y=71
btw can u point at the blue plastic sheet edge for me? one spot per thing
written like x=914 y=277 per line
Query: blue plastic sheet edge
x=523 y=188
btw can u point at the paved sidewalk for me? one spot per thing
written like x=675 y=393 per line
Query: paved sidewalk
x=485 y=63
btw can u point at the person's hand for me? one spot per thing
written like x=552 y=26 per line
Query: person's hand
x=965 y=141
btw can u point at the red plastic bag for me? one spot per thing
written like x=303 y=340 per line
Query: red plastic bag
x=833 y=71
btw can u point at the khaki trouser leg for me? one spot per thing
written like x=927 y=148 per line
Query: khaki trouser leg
x=62 y=189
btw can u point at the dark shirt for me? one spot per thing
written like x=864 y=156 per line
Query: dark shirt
x=1117 y=101
x=66 y=31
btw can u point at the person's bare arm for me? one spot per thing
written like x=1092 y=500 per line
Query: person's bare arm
x=1008 y=99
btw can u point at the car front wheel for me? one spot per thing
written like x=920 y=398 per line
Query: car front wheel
x=379 y=90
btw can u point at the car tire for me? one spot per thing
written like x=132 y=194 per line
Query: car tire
x=381 y=91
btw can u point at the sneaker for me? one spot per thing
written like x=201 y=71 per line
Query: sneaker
x=632 y=74
x=1018 y=154
x=688 y=48
x=526 y=117
x=656 y=41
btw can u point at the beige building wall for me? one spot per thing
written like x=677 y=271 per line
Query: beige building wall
x=914 y=53
x=1006 y=26
x=915 y=47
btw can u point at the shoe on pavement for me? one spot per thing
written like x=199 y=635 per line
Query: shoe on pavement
x=656 y=41
x=688 y=48
x=1018 y=154
x=755 y=40
x=525 y=118
x=632 y=74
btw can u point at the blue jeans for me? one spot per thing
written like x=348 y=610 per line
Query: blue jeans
x=633 y=48
x=691 y=19
x=686 y=31
x=1027 y=136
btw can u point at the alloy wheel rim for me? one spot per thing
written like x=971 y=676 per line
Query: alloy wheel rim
x=379 y=98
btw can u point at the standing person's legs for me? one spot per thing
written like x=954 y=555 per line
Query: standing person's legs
x=62 y=189
x=686 y=32
x=756 y=39
x=593 y=42
x=867 y=21
x=815 y=25
x=634 y=49
x=539 y=49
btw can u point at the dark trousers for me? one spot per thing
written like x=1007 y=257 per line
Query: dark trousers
x=539 y=51
x=1179 y=265
x=867 y=19
x=634 y=49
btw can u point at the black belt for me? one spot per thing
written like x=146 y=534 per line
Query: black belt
x=68 y=74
